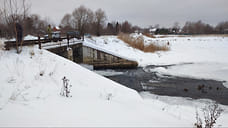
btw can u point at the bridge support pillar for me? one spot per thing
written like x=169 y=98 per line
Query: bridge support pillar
x=70 y=53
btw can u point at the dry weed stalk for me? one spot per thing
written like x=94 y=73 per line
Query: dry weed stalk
x=138 y=43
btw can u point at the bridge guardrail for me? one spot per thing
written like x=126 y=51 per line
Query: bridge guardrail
x=12 y=44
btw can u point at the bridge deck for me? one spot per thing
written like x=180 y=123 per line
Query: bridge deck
x=81 y=54
x=12 y=44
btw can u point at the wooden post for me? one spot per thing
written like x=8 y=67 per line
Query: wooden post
x=39 y=41
x=70 y=53
x=68 y=41
x=16 y=37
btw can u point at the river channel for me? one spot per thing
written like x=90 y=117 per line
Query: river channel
x=141 y=80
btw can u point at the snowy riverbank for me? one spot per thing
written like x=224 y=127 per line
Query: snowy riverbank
x=30 y=84
x=205 y=56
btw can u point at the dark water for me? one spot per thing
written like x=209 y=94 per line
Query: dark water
x=168 y=85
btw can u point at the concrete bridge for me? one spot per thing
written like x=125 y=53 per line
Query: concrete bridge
x=83 y=54
x=79 y=53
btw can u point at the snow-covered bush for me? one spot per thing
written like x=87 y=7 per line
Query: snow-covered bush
x=41 y=73
x=211 y=113
x=107 y=95
x=32 y=53
x=65 y=90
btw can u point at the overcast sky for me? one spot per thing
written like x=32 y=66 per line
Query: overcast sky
x=140 y=12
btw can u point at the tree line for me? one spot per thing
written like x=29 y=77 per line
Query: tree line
x=85 y=20
x=193 y=28
x=14 y=11
x=202 y=28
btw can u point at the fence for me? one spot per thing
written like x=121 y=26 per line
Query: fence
x=39 y=41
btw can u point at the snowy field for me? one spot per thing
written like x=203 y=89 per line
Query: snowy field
x=30 y=84
x=196 y=56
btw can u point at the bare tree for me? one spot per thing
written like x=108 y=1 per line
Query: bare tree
x=82 y=17
x=66 y=20
x=176 y=27
x=197 y=28
x=66 y=23
x=15 y=11
x=157 y=26
x=1 y=23
x=126 y=27
x=110 y=28
x=100 y=18
x=1 y=16
x=211 y=113
x=222 y=27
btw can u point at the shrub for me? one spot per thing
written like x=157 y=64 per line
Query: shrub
x=154 y=48
x=138 y=43
x=211 y=113
x=32 y=53
x=41 y=73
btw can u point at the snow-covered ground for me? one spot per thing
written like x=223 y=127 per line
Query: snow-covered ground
x=30 y=84
x=30 y=99
x=182 y=49
x=196 y=56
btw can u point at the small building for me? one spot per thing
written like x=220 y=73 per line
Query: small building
x=152 y=31
x=56 y=28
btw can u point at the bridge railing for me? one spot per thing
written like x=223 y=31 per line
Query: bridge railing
x=39 y=41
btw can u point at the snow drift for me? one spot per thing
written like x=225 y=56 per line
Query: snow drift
x=31 y=82
x=30 y=87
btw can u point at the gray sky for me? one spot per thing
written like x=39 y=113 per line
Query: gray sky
x=140 y=12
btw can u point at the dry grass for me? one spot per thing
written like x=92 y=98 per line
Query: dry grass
x=149 y=35
x=210 y=35
x=138 y=43
x=163 y=36
x=201 y=35
x=154 y=48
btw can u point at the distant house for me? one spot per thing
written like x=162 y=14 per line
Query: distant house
x=139 y=31
x=152 y=30
x=56 y=34
x=56 y=28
